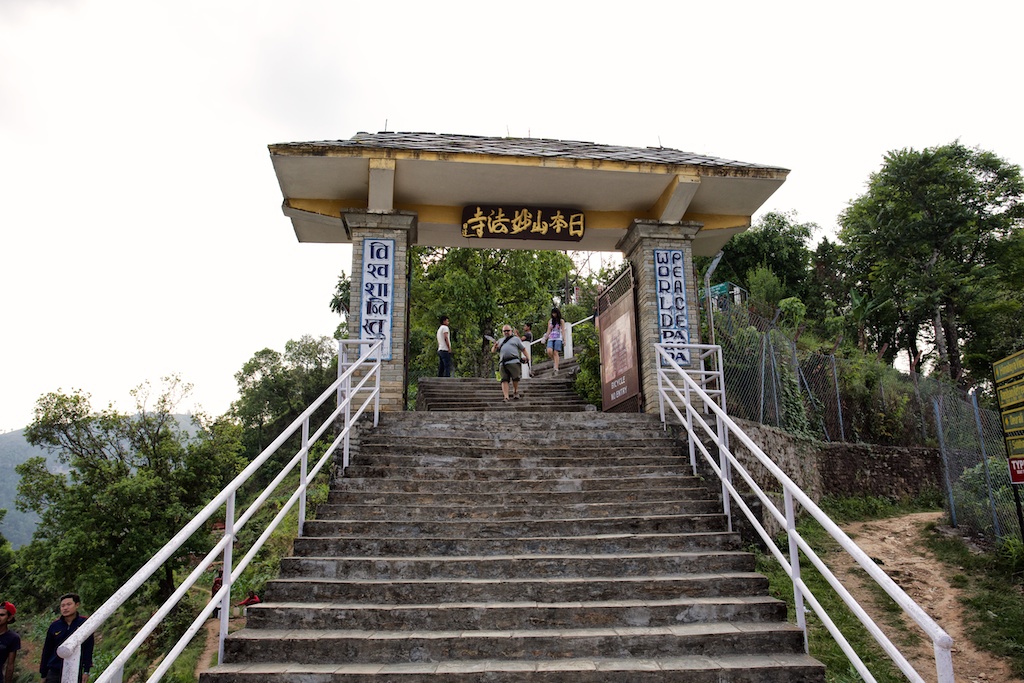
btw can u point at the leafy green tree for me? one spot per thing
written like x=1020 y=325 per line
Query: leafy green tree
x=930 y=235
x=776 y=239
x=340 y=303
x=274 y=388
x=766 y=290
x=478 y=289
x=132 y=481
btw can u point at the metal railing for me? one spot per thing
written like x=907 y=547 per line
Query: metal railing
x=357 y=376
x=699 y=392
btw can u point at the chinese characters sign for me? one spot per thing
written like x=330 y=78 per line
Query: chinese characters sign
x=670 y=288
x=517 y=222
x=376 y=298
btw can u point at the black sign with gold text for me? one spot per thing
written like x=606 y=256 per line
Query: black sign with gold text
x=522 y=222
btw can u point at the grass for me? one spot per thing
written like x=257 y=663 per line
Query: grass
x=993 y=587
x=822 y=646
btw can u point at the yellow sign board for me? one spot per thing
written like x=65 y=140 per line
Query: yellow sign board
x=1008 y=368
x=1010 y=394
x=1013 y=420
x=1015 y=446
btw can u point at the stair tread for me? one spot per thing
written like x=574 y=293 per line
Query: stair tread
x=522 y=604
x=673 y=663
x=683 y=630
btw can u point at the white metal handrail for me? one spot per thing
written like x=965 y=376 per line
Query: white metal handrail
x=677 y=390
x=359 y=376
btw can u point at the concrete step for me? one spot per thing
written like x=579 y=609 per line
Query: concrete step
x=513 y=589
x=525 y=566
x=773 y=668
x=513 y=498
x=512 y=486
x=391 y=647
x=452 y=473
x=560 y=510
x=514 y=615
x=459 y=546
x=517 y=528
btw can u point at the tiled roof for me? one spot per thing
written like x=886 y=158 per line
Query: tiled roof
x=518 y=147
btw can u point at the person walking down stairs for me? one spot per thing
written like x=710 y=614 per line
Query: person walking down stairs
x=510 y=350
x=553 y=337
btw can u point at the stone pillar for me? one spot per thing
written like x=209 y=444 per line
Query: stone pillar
x=379 y=301
x=644 y=241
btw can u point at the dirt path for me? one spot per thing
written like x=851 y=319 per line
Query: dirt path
x=212 y=628
x=896 y=544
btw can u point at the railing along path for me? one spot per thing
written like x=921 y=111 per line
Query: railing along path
x=695 y=395
x=358 y=376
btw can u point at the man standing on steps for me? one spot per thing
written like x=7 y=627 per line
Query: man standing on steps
x=444 y=349
x=510 y=350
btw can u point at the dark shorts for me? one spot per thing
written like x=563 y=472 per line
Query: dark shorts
x=511 y=371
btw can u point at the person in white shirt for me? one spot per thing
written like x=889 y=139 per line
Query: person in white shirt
x=444 y=349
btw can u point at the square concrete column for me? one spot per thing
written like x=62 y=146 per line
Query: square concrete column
x=379 y=301
x=661 y=256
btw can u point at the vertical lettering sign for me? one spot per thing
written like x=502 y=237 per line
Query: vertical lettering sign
x=670 y=288
x=376 y=298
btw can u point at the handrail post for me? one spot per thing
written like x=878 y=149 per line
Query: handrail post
x=567 y=341
x=225 y=602
x=303 y=476
x=944 y=663
x=378 y=368
x=347 y=389
x=794 y=565
x=69 y=672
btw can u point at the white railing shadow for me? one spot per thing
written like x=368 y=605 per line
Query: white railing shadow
x=358 y=376
x=696 y=397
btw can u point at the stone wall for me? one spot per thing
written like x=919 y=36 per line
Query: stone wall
x=838 y=469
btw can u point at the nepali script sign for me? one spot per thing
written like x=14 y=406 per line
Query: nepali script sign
x=523 y=223
x=376 y=303
x=670 y=287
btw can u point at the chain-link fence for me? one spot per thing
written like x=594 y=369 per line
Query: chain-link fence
x=859 y=400
x=979 y=494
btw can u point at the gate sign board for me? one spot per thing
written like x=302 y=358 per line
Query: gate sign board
x=670 y=284
x=523 y=222
x=1010 y=395
x=1008 y=368
x=376 y=302
x=1013 y=420
x=1008 y=374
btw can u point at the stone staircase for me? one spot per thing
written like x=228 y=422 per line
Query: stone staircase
x=543 y=392
x=533 y=545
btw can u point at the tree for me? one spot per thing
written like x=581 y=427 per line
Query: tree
x=776 y=239
x=929 y=235
x=340 y=303
x=274 y=388
x=478 y=289
x=132 y=482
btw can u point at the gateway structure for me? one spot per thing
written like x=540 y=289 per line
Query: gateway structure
x=384 y=192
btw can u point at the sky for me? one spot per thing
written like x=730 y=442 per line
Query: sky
x=141 y=232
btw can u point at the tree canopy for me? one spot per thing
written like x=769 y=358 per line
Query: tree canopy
x=931 y=235
x=132 y=481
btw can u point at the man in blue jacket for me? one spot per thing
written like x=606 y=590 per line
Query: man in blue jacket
x=51 y=665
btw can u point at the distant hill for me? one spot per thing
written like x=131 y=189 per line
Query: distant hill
x=17 y=527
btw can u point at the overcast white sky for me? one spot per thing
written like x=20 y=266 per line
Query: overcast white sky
x=141 y=224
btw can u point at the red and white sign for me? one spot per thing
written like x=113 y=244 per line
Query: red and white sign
x=1017 y=470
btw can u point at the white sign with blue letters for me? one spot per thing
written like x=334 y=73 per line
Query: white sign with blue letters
x=376 y=305
x=670 y=288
